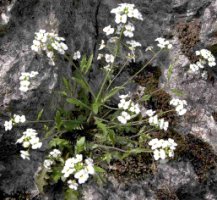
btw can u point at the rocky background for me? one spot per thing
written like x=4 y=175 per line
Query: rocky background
x=189 y=24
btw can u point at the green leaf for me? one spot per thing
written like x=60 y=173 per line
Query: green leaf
x=111 y=136
x=99 y=169
x=66 y=84
x=80 y=80
x=56 y=174
x=58 y=120
x=86 y=64
x=80 y=145
x=170 y=71
x=83 y=63
x=101 y=126
x=177 y=92
x=107 y=157
x=78 y=103
x=146 y=97
x=41 y=179
x=57 y=142
x=89 y=63
x=40 y=114
x=95 y=107
x=111 y=93
x=71 y=195
x=73 y=125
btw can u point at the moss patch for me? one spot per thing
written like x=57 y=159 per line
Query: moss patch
x=188 y=34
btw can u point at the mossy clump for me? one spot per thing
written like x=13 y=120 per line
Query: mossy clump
x=193 y=149
x=166 y=194
x=133 y=167
x=188 y=34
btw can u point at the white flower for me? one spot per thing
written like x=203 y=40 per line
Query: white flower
x=194 y=67
x=150 y=113
x=129 y=29
x=108 y=30
x=25 y=155
x=163 y=124
x=124 y=96
x=102 y=45
x=125 y=10
x=121 y=19
x=55 y=153
x=124 y=104
x=109 y=58
x=8 y=125
x=179 y=106
x=77 y=55
x=163 y=43
x=124 y=117
x=19 y=119
x=48 y=163
x=153 y=120
x=100 y=56
x=162 y=148
x=69 y=167
x=134 y=108
x=82 y=176
x=133 y=44
x=50 y=43
x=72 y=184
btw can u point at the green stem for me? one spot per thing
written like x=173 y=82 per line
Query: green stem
x=132 y=77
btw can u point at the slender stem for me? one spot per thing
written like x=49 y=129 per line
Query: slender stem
x=109 y=147
x=83 y=78
x=122 y=68
x=132 y=77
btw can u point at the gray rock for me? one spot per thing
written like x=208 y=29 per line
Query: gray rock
x=81 y=23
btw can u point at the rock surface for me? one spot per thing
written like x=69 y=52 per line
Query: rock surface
x=189 y=24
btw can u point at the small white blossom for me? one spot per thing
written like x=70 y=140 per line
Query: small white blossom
x=25 y=155
x=162 y=148
x=163 y=43
x=129 y=29
x=102 y=45
x=55 y=153
x=19 y=118
x=109 y=58
x=150 y=113
x=51 y=43
x=108 y=30
x=179 y=106
x=77 y=55
x=8 y=125
x=124 y=117
x=124 y=104
x=82 y=176
x=100 y=56
x=48 y=163
x=72 y=184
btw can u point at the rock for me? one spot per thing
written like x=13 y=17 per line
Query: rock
x=188 y=24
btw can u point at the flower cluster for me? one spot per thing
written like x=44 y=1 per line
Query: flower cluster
x=162 y=149
x=125 y=11
x=205 y=57
x=79 y=168
x=179 y=105
x=153 y=120
x=16 y=119
x=77 y=55
x=52 y=157
x=130 y=109
x=122 y=13
x=51 y=43
x=29 y=139
x=163 y=43
x=25 y=80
